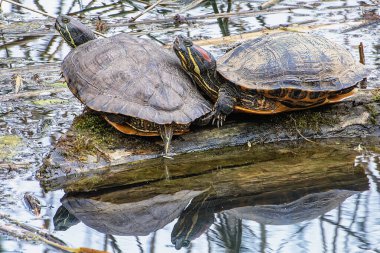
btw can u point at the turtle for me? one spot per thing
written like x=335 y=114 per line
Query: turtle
x=272 y=74
x=137 y=86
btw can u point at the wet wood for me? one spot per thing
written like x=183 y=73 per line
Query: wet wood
x=355 y=117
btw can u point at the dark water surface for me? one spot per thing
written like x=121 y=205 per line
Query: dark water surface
x=299 y=198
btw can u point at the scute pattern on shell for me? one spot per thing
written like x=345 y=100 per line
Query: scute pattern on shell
x=135 y=77
x=291 y=60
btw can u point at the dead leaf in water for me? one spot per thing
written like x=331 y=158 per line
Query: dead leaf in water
x=17 y=82
x=101 y=26
x=32 y=203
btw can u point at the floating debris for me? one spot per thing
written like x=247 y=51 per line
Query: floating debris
x=32 y=203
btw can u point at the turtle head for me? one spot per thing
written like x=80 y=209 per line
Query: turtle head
x=194 y=59
x=73 y=31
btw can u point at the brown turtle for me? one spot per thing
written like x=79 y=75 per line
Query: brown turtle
x=138 y=86
x=271 y=74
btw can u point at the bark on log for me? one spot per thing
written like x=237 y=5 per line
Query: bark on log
x=81 y=152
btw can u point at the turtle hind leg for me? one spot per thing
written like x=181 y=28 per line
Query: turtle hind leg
x=166 y=133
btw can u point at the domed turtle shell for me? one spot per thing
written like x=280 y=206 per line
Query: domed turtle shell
x=134 y=77
x=291 y=61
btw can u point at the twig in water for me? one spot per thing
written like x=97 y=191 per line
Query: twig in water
x=376 y=2
x=30 y=94
x=13 y=166
x=299 y=132
x=363 y=83
x=146 y=10
x=295 y=27
x=191 y=5
x=43 y=13
x=206 y=16
x=365 y=24
x=22 y=231
x=268 y=4
x=361 y=53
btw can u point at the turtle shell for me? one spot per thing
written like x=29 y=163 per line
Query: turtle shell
x=127 y=75
x=298 y=61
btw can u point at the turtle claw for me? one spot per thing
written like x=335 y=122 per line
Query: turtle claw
x=218 y=119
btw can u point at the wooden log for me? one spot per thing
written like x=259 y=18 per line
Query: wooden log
x=92 y=146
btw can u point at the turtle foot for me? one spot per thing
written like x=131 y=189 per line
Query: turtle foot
x=218 y=119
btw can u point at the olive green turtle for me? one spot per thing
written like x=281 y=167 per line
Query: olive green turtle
x=138 y=86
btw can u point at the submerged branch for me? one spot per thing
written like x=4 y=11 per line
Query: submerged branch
x=30 y=94
x=295 y=27
x=207 y=16
x=269 y=4
x=146 y=10
x=42 y=13
x=23 y=231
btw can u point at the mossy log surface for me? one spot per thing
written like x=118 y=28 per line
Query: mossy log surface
x=91 y=146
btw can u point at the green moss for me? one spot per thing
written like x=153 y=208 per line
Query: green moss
x=96 y=128
x=8 y=145
x=372 y=113
x=91 y=135
x=305 y=120
x=79 y=147
x=85 y=184
x=52 y=101
x=376 y=95
x=58 y=85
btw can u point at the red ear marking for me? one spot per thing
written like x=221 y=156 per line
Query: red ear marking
x=203 y=53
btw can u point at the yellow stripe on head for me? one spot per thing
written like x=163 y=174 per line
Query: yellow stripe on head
x=196 y=68
x=71 y=38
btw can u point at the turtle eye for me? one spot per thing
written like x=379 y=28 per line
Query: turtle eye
x=65 y=20
x=188 y=43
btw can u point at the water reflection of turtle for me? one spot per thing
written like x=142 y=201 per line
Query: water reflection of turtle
x=271 y=74
x=133 y=78
x=306 y=208
x=194 y=220
x=198 y=216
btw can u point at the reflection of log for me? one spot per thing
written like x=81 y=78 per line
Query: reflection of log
x=356 y=117
x=230 y=180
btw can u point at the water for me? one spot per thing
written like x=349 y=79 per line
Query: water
x=335 y=212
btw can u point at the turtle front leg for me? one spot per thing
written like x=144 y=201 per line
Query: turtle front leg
x=166 y=132
x=225 y=103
